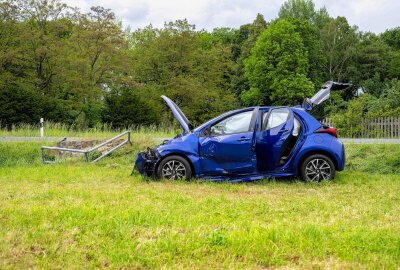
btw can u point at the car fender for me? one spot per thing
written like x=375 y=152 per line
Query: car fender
x=185 y=146
x=324 y=144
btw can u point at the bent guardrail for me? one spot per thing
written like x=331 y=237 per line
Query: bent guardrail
x=86 y=152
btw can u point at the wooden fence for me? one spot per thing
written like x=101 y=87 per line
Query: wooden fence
x=382 y=127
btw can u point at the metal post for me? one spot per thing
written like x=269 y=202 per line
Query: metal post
x=41 y=127
x=43 y=157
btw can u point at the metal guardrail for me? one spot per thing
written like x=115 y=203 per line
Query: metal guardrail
x=86 y=152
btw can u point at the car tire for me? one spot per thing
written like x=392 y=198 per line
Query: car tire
x=174 y=167
x=316 y=168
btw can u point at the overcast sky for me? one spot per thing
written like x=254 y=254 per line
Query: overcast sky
x=369 y=15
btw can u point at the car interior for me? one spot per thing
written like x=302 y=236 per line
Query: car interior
x=292 y=141
x=276 y=118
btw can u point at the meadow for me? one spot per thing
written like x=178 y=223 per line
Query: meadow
x=74 y=215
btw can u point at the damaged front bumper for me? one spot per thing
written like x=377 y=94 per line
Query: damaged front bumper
x=146 y=162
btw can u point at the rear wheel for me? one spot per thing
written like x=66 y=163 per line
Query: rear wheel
x=174 y=167
x=316 y=168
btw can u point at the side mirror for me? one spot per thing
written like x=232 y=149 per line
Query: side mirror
x=206 y=132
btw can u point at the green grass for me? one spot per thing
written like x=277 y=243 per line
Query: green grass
x=380 y=158
x=78 y=215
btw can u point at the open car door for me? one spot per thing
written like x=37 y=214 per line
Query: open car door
x=273 y=137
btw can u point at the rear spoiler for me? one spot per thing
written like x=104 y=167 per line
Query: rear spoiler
x=324 y=94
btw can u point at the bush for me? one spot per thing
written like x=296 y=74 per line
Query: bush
x=124 y=108
x=18 y=105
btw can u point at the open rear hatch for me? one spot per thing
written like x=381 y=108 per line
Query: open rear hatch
x=324 y=94
x=179 y=115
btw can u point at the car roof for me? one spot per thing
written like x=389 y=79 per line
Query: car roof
x=221 y=116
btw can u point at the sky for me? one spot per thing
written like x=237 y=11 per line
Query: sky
x=369 y=15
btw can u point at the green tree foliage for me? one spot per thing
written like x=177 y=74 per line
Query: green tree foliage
x=304 y=10
x=63 y=55
x=225 y=35
x=370 y=63
x=82 y=69
x=310 y=36
x=277 y=67
x=18 y=105
x=245 y=40
x=340 y=41
x=392 y=37
x=172 y=61
x=98 y=60
x=124 y=108
x=11 y=65
x=21 y=105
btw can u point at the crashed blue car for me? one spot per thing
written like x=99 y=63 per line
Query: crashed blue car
x=250 y=144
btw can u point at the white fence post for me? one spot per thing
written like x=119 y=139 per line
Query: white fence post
x=41 y=127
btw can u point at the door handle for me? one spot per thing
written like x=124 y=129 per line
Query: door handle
x=243 y=139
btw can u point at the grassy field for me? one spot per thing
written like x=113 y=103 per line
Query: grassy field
x=78 y=215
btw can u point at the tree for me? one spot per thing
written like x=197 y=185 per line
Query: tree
x=370 y=62
x=310 y=36
x=42 y=36
x=340 y=40
x=247 y=38
x=100 y=50
x=11 y=66
x=277 y=67
x=124 y=108
x=173 y=61
x=225 y=35
x=304 y=10
x=19 y=105
x=392 y=37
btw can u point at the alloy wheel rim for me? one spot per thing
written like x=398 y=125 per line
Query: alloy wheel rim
x=318 y=169
x=174 y=169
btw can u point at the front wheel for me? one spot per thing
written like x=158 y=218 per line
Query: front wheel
x=174 y=167
x=316 y=168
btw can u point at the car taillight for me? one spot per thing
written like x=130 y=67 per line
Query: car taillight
x=330 y=130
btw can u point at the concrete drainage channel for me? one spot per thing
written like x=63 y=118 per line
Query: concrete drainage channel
x=78 y=147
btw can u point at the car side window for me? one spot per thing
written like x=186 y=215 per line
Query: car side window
x=237 y=123
x=277 y=117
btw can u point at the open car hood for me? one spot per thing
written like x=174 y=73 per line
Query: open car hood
x=324 y=94
x=186 y=126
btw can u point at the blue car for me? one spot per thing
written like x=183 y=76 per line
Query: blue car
x=250 y=144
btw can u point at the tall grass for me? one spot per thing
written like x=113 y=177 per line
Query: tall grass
x=373 y=158
x=20 y=153
x=99 y=132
